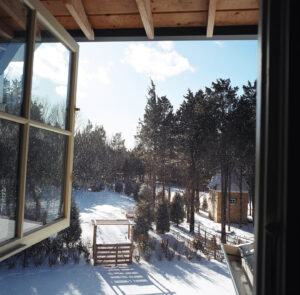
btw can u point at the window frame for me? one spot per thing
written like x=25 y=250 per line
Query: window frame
x=21 y=241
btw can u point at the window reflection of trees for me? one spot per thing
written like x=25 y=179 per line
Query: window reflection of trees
x=12 y=95
x=45 y=174
x=9 y=151
x=54 y=115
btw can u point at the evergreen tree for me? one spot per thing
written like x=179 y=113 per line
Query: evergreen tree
x=141 y=227
x=128 y=190
x=145 y=194
x=177 y=211
x=223 y=98
x=145 y=207
x=162 y=218
x=154 y=137
x=194 y=129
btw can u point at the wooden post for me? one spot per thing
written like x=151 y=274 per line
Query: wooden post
x=132 y=233
x=130 y=254
x=128 y=231
x=95 y=244
x=117 y=247
x=214 y=245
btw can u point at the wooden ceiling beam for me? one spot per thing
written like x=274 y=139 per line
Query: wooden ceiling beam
x=5 y=31
x=15 y=11
x=144 y=8
x=211 y=18
x=76 y=9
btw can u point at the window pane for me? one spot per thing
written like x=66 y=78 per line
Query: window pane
x=45 y=178
x=12 y=56
x=49 y=102
x=9 y=153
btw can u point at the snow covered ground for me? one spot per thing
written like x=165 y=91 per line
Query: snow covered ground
x=153 y=277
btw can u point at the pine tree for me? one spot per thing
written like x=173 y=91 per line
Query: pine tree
x=154 y=137
x=177 y=211
x=145 y=208
x=223 y=97
x=162 y=218
x=128 y=190
x=141 y=227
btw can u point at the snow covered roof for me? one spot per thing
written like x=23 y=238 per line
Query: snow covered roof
x=215 y=183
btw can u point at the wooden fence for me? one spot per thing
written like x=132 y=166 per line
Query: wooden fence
x=112 y=254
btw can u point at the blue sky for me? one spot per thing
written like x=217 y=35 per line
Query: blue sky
x=114 y=76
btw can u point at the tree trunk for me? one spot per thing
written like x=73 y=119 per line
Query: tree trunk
x=192 y=212
x=169 y=193
x=241 y=197
x=229 y=196
x=224 y=176
x=197 y=201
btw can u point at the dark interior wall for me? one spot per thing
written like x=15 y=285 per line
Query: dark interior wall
x=276 y=227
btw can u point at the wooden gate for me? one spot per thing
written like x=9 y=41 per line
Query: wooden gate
x=112 y=254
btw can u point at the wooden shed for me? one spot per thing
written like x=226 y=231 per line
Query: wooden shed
x=236 y=201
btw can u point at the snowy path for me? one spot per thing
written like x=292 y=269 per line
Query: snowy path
x=154 y=277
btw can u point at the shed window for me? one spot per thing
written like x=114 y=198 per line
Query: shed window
x=233 y=201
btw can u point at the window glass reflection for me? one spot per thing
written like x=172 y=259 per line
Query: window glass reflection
x=49 y=102
x=12 y=56
x=9 y=153
x=45 y=178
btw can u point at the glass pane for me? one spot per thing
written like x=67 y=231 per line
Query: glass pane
x=12 y=56
x=9 y=153
x=45 y=178
x=49 y=102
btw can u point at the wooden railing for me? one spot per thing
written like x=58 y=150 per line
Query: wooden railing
x=112 y=254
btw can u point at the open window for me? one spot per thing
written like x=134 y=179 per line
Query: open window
x=37 y=104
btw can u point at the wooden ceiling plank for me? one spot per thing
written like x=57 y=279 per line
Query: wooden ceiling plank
x=16 y=11
x=76 y=9
x=211 y=18
x=5 y=31
x=144 y=8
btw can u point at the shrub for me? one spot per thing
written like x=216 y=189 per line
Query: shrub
x=128 y=190
x=162 y=218
x=145 y=193
x=141 y=227
x=118 y=187
x=71 y=235
x=177 y=210
x=146 y=211
x=135 y=190
x=197 y=244
x=204 y=204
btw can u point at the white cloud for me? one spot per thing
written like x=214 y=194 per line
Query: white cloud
x=14 y=70
x=158 y=62
x=220 y=43
x=166 y=45
x=51 y=61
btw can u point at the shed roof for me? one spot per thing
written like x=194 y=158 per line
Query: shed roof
x=215 y=183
